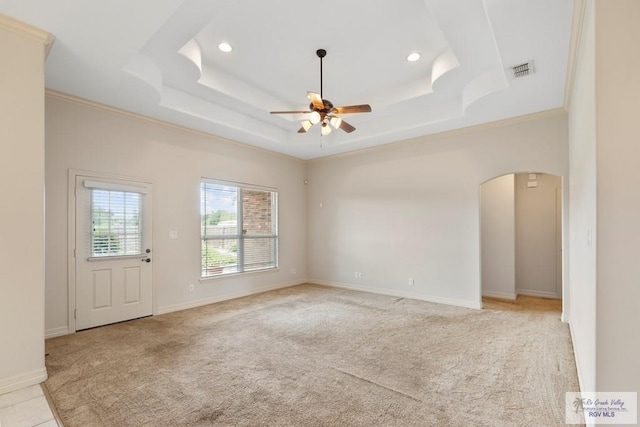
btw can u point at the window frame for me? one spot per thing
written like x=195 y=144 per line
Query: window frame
x=240 y=234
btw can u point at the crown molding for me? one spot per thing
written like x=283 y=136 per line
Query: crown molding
x=574 y=49
x=470 y=129
x=23 y=29
x=559 y=111
x=103 y=107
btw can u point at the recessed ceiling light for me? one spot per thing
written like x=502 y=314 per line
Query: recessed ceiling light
x=225 y=47
x=413 y=57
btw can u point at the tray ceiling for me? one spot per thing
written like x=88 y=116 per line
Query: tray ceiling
x=160 y=59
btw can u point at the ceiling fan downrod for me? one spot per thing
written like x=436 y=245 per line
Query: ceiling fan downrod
x=321 y=54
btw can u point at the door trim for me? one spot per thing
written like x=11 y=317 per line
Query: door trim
x=71 y=237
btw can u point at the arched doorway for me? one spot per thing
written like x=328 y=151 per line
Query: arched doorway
x=521 y=236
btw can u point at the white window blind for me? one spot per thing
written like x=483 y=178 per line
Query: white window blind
x=238 y=228
x=116 y=228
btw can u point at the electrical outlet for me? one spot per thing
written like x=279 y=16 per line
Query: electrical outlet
x=355 y=274
x=360 y=275
x=292 y=271
x=411 y=281
x=192 y=287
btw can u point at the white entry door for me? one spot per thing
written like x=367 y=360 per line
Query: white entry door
x=113 y=251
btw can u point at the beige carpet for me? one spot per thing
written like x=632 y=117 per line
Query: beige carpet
x=316 y=356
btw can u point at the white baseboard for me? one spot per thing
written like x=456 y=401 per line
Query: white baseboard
x=23 y=380
x=401 y=294
x=539 y=294
x=500 y=295
x=589 y=423
x=56 y=332
x=219 y=298
x=577 y=358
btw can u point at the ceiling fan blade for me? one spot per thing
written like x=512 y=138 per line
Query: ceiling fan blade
x=302 y=130
x=291 y=112
x=364 y=108
x=346 y=127
x=316 y=100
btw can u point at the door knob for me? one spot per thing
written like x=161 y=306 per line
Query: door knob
x=146 y=259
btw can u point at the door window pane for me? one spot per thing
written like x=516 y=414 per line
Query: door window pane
x=116 y=227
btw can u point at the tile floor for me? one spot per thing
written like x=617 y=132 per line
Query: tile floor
x=27 y=407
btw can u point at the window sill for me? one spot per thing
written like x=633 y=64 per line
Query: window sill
x=234 y=275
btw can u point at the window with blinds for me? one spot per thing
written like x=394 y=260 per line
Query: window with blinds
x=238 y=228
x=116 y=228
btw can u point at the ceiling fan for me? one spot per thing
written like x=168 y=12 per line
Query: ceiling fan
x=322 y=110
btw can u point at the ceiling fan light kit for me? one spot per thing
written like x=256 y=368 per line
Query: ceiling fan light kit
x=322 y=110
x=315 y=118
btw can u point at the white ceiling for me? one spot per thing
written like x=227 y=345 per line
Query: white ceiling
x=159 y=58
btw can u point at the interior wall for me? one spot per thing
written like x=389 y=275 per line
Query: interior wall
x=22 y=55
x=538 y=235
x=582 y=205
x=617 y=36
x=83 y=137
x=411 y=210
x=498 y=237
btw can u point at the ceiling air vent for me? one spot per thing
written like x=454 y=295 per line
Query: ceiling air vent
x=522 y=70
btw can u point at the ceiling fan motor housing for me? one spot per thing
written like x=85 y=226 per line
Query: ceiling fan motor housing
x=328 y=106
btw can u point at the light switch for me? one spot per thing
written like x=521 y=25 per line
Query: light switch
x=173 y=235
